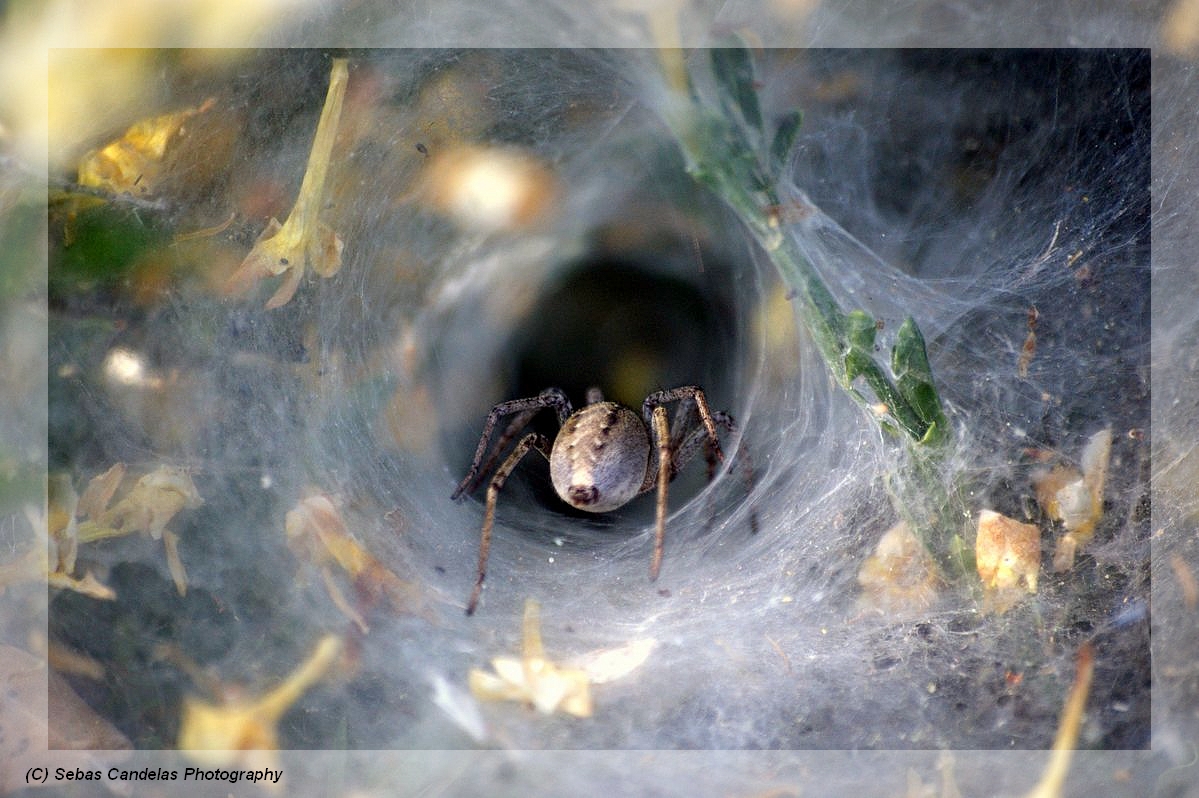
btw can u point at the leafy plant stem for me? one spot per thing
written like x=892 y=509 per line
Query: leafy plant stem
x=727 y=149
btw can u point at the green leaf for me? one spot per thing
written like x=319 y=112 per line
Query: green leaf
x=734 y=69
x=106 y=243
x=784 y=140
x=857 y=363
x=914 y=380
x=861 y=330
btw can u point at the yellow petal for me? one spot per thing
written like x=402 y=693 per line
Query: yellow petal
x=132 y=163
x=244 y=731
x=532 y=679
x=89 y=585
x=302 y=240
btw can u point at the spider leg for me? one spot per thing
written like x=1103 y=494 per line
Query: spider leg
x=686 y=392
x=514 y=427
x=528 y=407
x=531 y=441
x=661 y=432
x=747 y=464
x=685 y=449
x=685 y=417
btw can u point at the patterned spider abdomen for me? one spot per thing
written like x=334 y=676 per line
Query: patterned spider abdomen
x=600 y=458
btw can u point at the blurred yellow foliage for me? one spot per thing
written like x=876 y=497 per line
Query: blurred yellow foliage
x=134 y=162
x=317 y=534
x=243 y=731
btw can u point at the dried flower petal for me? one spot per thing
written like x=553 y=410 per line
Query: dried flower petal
x=62 y=506
x=317 y=534
x=89 y=585
x=900 y=575
x=533 y=679
x=1076 y=499
x=149 y=506
x=33 y=567
x=303 y=240
x=1007 y=553
x=609 y=664
x=243 y=731
x=99 y=492
x=133 y=163
x=170 y=542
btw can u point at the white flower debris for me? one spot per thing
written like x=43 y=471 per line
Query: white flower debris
x=549 y=687
x=532 y=678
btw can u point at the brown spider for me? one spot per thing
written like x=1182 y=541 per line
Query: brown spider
x=602 y=456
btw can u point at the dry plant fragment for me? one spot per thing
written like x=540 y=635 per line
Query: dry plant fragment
x=1050 y=785
x=156 y=498
x=317 y=534
x=1007 y=553
x=242 y=731
x=899 y=575
x=62 y=505
x=533 y=679
x=1030 y=345
x=1076 y=499
x=134 y=162
x=147 y=508
x=609 y=664
x=33 y=566
x=53 y=561
x=99 y=492
x=89 y=585
x=303 y=240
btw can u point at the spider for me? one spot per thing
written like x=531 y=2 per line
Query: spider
x=603 y=456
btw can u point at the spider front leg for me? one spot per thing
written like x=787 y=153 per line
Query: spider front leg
x=686 y=392
x=686 y=451
x=526 y=408
x=679 y=442
x=531 y=441
x=661 y=432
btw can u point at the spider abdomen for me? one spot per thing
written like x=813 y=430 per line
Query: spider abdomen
x=600 y=458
